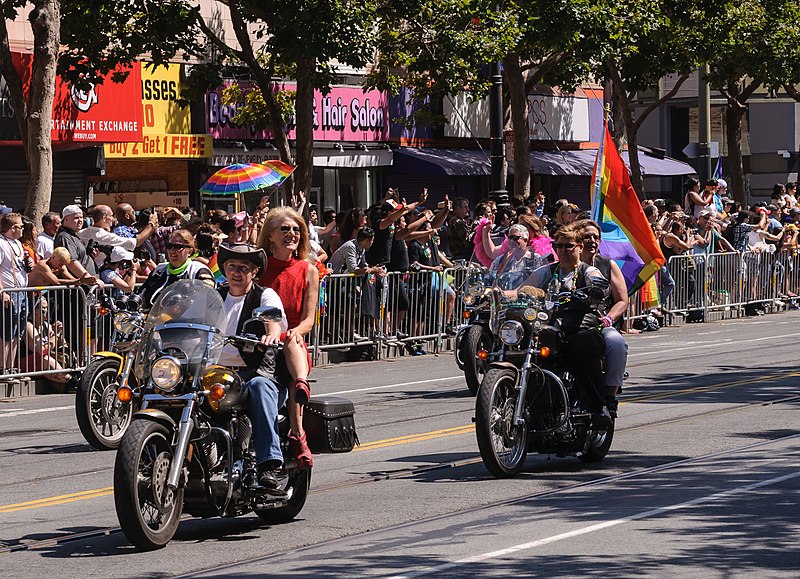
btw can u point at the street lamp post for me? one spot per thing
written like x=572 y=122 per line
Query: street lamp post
x=498 y=191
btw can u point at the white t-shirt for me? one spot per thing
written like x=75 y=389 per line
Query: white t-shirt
x=233 y=309
x=12 y=264
x=103 y=237
x=44 y=245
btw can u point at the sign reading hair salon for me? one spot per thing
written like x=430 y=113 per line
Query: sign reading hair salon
x=344 y=114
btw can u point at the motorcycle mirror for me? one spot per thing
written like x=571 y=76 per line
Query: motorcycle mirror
x=267 y=314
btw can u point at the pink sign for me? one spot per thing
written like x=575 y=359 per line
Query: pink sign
x=344 y=114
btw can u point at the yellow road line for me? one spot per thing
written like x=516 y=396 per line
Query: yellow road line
x=57 y=500
x=387 y=442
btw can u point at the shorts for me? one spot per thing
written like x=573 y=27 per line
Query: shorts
x=15 y=316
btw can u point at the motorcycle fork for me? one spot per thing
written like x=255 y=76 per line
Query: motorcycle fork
x=125 y=372
x=522 y=387
x=184 y=432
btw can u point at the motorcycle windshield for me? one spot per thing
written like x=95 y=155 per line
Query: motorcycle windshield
x=187 y=321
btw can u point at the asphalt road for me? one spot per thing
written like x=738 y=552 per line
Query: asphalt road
x=703 y=479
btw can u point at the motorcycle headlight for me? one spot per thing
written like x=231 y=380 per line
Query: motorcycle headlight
x=511 y=332
x=126 y=323
x=166 y=373
x=468 y=299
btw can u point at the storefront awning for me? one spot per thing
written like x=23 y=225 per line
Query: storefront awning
x=581 y=163
x=657 y=167
x=352 y=159
x=451 y=162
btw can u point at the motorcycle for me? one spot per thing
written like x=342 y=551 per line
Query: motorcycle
x=101 y=416
x=529 y=400
x=476 y=333
x=189 y=447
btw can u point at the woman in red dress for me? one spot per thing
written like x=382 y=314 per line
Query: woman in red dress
x=291 y=274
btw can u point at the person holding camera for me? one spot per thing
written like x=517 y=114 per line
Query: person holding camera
x=13 y=275
x=119 y=271
x=106 y=240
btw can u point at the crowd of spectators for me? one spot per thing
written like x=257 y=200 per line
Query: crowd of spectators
x=120 y=248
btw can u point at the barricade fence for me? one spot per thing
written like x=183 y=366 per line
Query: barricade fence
x=52 y=332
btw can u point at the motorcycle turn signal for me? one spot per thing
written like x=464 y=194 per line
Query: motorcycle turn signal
x=125 y=394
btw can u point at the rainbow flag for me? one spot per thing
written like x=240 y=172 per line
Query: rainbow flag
x=626 y=236
x=214 y=267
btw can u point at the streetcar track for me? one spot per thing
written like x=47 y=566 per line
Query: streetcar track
x=503 y=503
x=403 y=473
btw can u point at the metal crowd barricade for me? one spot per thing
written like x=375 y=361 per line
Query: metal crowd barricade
x=43 y=332
x=760 y=274
x=722 y=285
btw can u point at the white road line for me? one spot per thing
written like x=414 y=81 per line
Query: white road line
x=714 y=344
x=461 y=377
x=35 y=411
x=597 y=527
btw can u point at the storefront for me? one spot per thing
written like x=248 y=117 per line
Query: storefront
x=82 y=120
x=155 y=169
x=351 y=154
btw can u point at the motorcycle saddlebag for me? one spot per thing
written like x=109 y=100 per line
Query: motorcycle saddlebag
x=330 y=424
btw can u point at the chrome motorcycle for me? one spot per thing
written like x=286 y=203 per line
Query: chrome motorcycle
x=189 y=447
x=529 y=400
x=475 y=337
x=101 y=415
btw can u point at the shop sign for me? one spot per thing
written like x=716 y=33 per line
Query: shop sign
x=107 y=112
x=557 y=118
x=163 y=146
x=344 y=114
x=165 y=124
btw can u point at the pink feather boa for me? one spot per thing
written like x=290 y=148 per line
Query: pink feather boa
x=540 y=245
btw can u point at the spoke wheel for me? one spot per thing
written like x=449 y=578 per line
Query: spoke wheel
x=475 y=339
x=101 y=417
x=148 y=510
x=503 y=445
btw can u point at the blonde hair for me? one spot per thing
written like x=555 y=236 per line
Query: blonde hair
x=63 y=254
x=572 y=232
x=273 y=222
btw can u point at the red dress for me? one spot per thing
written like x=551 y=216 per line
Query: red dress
x=288 y=279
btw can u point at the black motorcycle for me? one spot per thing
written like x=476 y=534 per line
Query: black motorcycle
x=529 y=400
x=189 y=447
x=475 y=336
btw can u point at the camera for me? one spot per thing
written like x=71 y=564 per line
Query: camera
x=441 y=205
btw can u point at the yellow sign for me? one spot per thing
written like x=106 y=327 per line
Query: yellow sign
x=166 y=126
x=163 y=146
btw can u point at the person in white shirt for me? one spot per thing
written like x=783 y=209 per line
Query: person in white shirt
x=51 y=221
x=242 y=264
x=13 y=274
x=100 y=232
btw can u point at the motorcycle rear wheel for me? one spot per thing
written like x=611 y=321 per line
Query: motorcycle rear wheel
x=101 y=417
x=475 y=339
x=299 y=483
x=147 y=510
x=599 y=445
x=503 y=445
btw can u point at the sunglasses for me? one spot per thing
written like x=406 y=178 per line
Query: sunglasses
x=233 y=268
x=178 y=246
x=569 y=246
x=515 y=237
x=289 y=229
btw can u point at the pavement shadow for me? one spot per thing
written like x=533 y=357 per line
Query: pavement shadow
x=45 y=449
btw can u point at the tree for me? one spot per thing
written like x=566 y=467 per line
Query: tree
x=755 y=46
x=82 y=41
x=299 y=39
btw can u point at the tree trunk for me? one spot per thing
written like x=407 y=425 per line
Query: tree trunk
x=520 y=126
x=305 y=125
x=45 y=22
x=623 y=111
x=734 y=113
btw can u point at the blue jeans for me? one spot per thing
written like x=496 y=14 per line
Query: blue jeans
x=266 y=398
x=667 y=285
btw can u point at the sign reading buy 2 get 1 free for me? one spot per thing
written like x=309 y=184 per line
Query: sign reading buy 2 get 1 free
x=166 y=126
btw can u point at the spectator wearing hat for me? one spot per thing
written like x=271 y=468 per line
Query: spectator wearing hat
x=105 y=239
x=82 y=265
x=51 y=221
x=13 y=275
x=118 y=271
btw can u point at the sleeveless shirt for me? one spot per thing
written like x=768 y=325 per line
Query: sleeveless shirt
x=288 y=279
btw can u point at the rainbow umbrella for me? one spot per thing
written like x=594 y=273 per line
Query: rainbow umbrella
x=279 y=170
x=243 y=177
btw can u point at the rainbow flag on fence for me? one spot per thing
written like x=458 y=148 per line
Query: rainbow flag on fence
x=214 y=267
x=626 y=236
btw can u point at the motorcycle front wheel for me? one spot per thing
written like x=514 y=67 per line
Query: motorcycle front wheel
x=503 y=445
x=101 y=417
x=475 y=339
x=298 y=485
x=148 y=510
